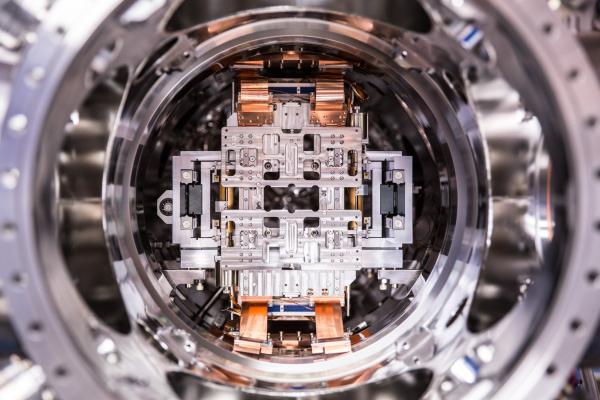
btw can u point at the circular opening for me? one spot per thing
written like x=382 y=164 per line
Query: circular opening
x=434 y=225
x=196 y=122
x=229 y=139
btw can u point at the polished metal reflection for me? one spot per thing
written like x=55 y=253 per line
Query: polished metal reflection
x=78 y=135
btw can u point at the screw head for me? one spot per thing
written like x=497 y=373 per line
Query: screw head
x=166 y=206
x=398 y=222
x=398 y=175
x=9 y=178
x=447 y=385
x=17 y=123
x=485 y=352
x=187 y=175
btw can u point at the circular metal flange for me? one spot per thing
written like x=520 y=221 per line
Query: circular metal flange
x=39 y=298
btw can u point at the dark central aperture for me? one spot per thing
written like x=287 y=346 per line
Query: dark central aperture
x=291 y=198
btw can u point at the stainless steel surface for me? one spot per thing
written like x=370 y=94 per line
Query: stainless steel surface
x=590 y=383
x=494 y=101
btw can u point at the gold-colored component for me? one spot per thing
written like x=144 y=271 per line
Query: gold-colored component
x=355 y=202
x=291 y=59
x=253 y=327
x=227 y=194
x=351 y=194
x=229 y=228
x=359 y=92
x=290 y=342
x=291 y=56
x=352 y=162
x=329 y=321
x=230 y=197
x=329 y=101
x=254 y=103
x=254 y=95
x=333 y=64
x=330 y=327
x=253 y=323
x=249 y=64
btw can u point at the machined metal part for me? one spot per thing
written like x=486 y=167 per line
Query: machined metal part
x=253 y=328
x=485 y=287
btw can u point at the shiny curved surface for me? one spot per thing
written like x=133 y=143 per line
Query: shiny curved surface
x=504 y=137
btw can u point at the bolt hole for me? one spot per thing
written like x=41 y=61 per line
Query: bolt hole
x=472 y=73
x=592 y=276
x=551 y=369
x=35 y=327
x=18 y=279
x=8 y=231
x=591 y=122
x=573 y=74
x=547 y=28
x=61 y=371
x=575 y=325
